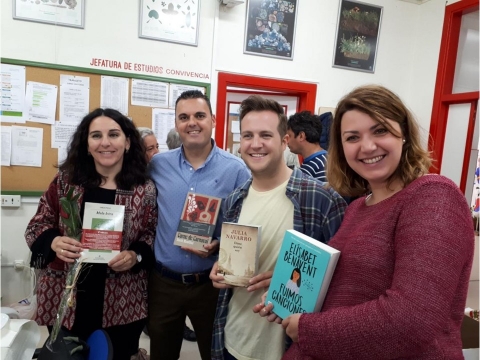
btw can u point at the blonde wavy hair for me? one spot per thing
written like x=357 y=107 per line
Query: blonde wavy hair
x=380 y=104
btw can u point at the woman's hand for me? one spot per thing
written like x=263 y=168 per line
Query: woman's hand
x=266 y=311
x=123 y=261
x=67 y=249
x=290 y=324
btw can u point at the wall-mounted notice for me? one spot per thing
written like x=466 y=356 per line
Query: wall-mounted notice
x=163 y=120
x=114 y=93
x=174 y=21
x=12 y=93
x=74 y=97
x=64 y=13
x=176 y=90
x=149 y=93
x=6 y=145
x=41 y=102
x=62 y=154
x=62 y=133
x=27 y=146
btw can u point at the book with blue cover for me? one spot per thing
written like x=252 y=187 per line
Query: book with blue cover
x=302 y=275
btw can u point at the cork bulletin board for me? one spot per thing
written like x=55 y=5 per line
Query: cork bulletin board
x=25 y=180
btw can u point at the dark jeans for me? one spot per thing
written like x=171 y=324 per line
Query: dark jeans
x=227 y=355
x=169 y=302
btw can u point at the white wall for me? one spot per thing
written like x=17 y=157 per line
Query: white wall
x=111 y=32
x=406 y=62
x=15 y=284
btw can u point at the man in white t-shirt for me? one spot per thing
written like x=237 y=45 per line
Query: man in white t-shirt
x=277 y=198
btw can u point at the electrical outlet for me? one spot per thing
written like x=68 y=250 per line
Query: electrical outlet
x=11 y=200
x=18 y=264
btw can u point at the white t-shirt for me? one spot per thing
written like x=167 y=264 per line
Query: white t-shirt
x=247 y=335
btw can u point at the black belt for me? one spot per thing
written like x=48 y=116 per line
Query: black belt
x=187 y=279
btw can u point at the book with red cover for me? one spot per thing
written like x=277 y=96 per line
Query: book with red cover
x=102 y=232
x=198 y=221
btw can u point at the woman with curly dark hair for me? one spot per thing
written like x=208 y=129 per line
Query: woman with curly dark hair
x=105 y=164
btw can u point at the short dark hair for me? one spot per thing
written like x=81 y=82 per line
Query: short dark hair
x=194 y=94
x=80 y=166
x=259 y=103
x=307 y=122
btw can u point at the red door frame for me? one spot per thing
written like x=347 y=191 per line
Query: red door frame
x=306 y=93
x=443 y=96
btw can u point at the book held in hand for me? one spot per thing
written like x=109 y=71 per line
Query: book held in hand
x=102 y=232
x=198 y=221
x=239 y=252
x=302 y=275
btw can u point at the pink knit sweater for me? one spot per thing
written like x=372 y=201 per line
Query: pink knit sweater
x=400 y=285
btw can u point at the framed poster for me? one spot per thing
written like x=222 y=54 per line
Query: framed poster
x=270 y=28
x=174 y=21
x=356 y=44
x=55 y=12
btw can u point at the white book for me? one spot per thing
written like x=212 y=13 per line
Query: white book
x=102 y=232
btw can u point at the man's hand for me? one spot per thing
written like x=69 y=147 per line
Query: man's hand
x=209 y=249
x=266 y=311
x=260 y=281
x=217 y=279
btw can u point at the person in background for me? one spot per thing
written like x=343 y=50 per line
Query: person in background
x=277 y=198
x=105 y=164
x=291 y=159
x=151 y=148
x=179 y=286
x=304 y=131
x=173 y=139
x=149 y=142
x=400 y=285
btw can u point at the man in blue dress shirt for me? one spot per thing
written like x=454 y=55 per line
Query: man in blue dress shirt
x=180 y=286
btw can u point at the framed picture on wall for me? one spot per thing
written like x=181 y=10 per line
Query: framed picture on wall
x=174 y=21
x=55 y=12
x=270 y=28
x=356 y=43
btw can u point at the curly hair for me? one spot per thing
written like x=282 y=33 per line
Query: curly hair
x=381 y=105
x=80 y=167
x=307 y=122
x=259 y=103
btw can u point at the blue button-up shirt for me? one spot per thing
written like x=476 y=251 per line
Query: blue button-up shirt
x=174 y=177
